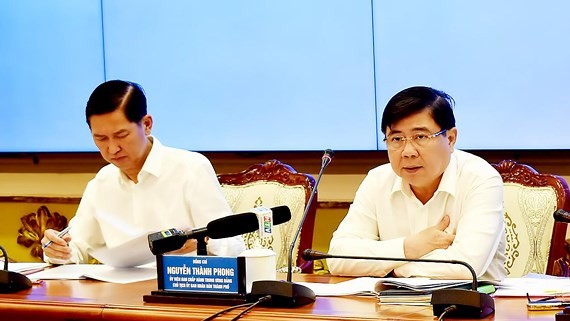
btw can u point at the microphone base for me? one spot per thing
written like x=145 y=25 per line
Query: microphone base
x=11 y=282
x=283 y=294
x=470 y=304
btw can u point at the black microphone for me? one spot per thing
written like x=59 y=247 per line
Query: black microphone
x=11 y=281
x=228 y=226
x=287 y=293
x=561 y=216
x=468 y=303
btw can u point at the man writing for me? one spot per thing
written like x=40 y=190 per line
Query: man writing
x=146 y=187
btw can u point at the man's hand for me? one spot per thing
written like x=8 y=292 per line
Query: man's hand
x=58 y=249
x=189 y=246
x=434 y=237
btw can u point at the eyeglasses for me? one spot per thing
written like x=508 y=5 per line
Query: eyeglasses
x=420 y=140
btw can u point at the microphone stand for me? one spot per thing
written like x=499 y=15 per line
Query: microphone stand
x=562 y=216
x=326 y=160
x=287 y=293
x=468 y=303
x=201 y=247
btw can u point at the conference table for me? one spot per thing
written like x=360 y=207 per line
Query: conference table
x=95 y=300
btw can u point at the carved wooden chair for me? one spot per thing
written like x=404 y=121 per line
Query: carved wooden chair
x=273 y=184
x=535 y=242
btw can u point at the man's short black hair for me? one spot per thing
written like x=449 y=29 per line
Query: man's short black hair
x=117 y=94
x=414 y=100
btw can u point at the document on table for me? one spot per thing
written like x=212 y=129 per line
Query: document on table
x=404 y=297
x=372 y=285
x=356 y=286
x=98 y=272
x=131 y=253
x=26 y=267
x=419 y=284
x=534 y=285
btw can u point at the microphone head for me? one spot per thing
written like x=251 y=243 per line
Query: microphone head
x=327 y=157
x=561 y=216
x=307 y=255
x=233 y=225
x=312 y=255
x=281 y=214
x=166 y=241
x=238 y=224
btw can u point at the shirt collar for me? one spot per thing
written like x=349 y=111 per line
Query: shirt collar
x=448 y=182
x=154 y=159
x=151 y=165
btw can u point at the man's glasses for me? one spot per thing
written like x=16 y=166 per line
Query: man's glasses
x=420 y=140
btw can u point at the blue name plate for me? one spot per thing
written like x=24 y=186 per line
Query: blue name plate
x=201 y=274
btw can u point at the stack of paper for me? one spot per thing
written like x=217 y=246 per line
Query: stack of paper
x=26 y=267
x=372 y=285
x=413 y=291
x=419 y=284
x=357 y=286
x=535 y=285
x=403 y=296
x=98 y=272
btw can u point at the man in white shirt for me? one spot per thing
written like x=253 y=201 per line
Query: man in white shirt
x=430 y=202
x=146 y=187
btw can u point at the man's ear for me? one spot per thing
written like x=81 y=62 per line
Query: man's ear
x=451 y=137
x=146 y=122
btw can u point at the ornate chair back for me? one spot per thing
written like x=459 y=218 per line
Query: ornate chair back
x=534 y=240
x=273 y=184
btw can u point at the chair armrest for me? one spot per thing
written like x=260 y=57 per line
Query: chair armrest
x=562 y=264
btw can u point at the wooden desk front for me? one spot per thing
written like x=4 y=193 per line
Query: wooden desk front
x=93 y=300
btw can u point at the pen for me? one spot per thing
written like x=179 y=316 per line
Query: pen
x=60 y=234
x=544 y=305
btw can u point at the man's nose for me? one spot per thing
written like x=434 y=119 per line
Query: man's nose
x=409 y=149
x=113 y=147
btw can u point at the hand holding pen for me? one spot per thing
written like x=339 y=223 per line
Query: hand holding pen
x=55 y=244
x=60 y=235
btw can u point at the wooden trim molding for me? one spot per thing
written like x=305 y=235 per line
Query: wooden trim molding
x=333 y=205
x=75 y=200
x=40 y=199
x=345 y=162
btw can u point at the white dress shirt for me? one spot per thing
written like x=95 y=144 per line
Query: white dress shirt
x=385 y=211
x=176 y=188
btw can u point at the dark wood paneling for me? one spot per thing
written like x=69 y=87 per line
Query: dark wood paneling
x=345 y=162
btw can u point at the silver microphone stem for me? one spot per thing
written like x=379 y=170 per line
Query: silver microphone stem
x=292 y=248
